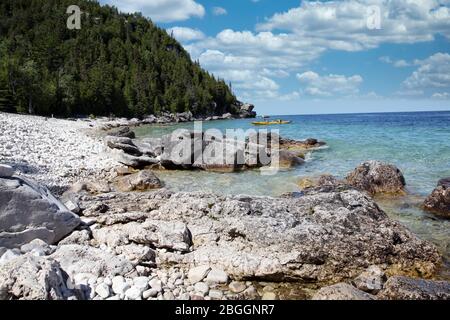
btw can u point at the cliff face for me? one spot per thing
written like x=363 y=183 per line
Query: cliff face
x=119 y=64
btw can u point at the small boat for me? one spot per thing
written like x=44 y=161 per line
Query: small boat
x=265 y=117
x=266 y=123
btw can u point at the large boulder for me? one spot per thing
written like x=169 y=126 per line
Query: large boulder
x=29 y=211
x=122 y=132
x=123 y=143
x=377 y=177
x=33 y=278
x=438 y=201
x=404 y=288
x=309 y=238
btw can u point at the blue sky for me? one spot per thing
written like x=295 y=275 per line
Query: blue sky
x=301 y=57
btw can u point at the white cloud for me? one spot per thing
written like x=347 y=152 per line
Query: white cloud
x=441 y=96
x=219 y=11
x=329 y=85
x=161 y=10
x=184 y=34
x=396 y=63
x=343 y=24
x=432 y=74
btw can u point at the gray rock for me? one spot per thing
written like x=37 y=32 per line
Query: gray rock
x=33 y=278
x=29 y=211
x=371 y=280
x=197 y=274
x=83 y=259
x=81 y=237
x=377 y=177
x=6 y=171
x=404 y=288
x=36 y=244
x=341 y=291
x=124 y=144
x=8 y=255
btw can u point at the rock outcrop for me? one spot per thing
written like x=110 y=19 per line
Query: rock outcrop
x=438 y=201
x=377 y=177
x=140 y=181
x=281 y=239
x=29 y=211
x=342 y=291
x=404 y=288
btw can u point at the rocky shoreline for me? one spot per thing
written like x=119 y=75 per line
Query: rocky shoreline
x=117 y=234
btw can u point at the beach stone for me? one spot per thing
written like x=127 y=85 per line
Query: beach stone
x=156 y=284
x=202 y=288
x=81 y=237
x=103 y=290
x=151 y=293
x=8 y=256
x=377 y=177
x=141 y=283
x=237 y=287
x=269 y=296
x=134 y=293
x=168 y=296
x=371 y=280
x=438 y=201
x=217 y=276
x=29 y=211
x=215 y=294
x=6 y=171
x=36 y=244
x=341 y=291
x=405 y=288
x=197 y=274
x=141 y=181
x=119 y=285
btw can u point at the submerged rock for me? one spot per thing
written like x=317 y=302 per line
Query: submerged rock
x=377 y=177
x=29 y=211
x=404 y=288
x=438 y=201
x=342 y=291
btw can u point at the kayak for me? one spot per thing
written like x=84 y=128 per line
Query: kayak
x=265 y=123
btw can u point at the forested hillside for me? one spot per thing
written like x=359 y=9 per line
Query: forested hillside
x=117 y=64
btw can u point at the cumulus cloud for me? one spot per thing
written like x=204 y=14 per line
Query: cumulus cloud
x=396 y=63
x=329 y=85
x=161 y=10
x=184 y=34
x=290 y=41
x=433 y=74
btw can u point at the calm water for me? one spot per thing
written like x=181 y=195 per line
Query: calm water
x=418 y=143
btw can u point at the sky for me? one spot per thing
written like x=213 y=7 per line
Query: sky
x=309 y=57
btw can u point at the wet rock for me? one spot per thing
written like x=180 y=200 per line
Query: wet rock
x=29 y=211
x=404 y=288
x=341 y=291
x=141 y=181
x=438 y=201
x=377 y=177
x=288 y=159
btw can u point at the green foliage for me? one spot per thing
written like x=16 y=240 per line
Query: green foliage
x=119 y=64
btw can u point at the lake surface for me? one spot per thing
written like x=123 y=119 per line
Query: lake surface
x=417 y=142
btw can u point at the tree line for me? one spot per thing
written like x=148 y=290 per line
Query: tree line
x=116 y=64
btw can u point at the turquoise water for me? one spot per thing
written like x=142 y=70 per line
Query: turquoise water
x=418 y=143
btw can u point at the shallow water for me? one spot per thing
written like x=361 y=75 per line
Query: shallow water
x=418 y=143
